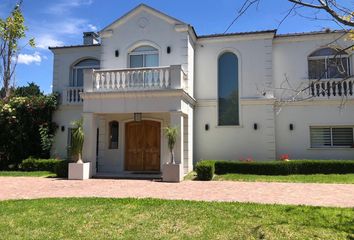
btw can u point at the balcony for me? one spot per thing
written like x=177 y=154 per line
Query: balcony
x=71 y=95
x=332 y=88
x=138 y=79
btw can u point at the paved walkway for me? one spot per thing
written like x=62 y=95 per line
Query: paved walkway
x=340 y=195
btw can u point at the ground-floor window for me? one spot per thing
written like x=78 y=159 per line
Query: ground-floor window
x=113 y=134
x=331 y=137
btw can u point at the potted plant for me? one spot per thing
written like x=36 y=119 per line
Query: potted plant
x=78 y=170
x=172 y=171
x=171 y=134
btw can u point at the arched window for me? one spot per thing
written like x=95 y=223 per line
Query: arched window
x=113 y=134
x=144 y=56
x=77 y=73
x=328 y=63
x=228 y=91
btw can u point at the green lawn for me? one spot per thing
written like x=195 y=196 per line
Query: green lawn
x=26 y=174
x=313 y=178
x=97 y=218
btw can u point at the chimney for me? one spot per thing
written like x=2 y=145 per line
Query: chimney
x=91 y=38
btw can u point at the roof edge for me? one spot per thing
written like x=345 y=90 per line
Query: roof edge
x=236 y=34
x=74 y=46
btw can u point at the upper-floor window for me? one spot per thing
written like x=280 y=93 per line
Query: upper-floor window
x=328 y=63
x=228 y=90
x=144 y=56
x=77 y=73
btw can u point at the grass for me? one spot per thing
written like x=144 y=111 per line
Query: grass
x=97 y=218
x=312 y=178
x=26 y=174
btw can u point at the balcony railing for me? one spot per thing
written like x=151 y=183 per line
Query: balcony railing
x=71 y=95
x=171 y=77
x=332 y=88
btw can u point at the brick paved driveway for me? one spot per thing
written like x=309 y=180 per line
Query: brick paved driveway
x=341 y=195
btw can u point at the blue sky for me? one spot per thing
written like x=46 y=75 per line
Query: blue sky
x=61 y=22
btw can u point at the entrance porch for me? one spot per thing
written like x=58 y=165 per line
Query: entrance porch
x=128 y=145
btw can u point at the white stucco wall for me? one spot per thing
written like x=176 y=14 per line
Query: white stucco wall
x=128 y=34
x=255 y=68
x=296 y=143
x=64 y=116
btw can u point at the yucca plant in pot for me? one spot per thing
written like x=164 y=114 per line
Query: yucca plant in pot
x=77 y=140
x=171 y=134
x=79 y=170
x=172 y=171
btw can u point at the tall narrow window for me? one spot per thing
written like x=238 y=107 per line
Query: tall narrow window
x=113 y=134
x=77 y=73
x=228 y=91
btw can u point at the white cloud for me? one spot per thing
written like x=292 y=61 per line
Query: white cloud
x=29 y=58
x=47 y=40
x=65 y=5
x=92 y=27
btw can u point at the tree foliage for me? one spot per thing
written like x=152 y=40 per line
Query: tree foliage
x=12 y=30
x=21 y=119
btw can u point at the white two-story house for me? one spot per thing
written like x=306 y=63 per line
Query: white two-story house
x=230 y=95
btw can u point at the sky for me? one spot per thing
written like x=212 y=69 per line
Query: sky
x=62 y=22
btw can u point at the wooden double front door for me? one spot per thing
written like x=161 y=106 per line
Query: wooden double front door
x=142 y=146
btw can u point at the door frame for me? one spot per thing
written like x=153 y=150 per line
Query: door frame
x=162 y=140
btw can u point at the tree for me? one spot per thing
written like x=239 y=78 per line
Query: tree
x=171 y=135
x=12 y=30
x=30 y=90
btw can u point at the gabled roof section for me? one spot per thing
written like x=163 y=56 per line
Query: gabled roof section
x=140 y=8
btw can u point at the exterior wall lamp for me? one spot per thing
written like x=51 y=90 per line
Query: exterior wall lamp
x=116 y=53
x=168 y=50
x=255 y=126
x=291 y=127
x=63 y=128
x=137 y=117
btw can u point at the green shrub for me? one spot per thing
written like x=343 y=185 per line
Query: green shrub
x=33 y=164
x=61 y=169
x=286 y=168
x=205 y=170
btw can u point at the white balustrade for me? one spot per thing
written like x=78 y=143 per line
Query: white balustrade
x=71 y=95
x=332 y=88
x=138 y=79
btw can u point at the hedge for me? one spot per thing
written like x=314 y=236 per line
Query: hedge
x=60 y=167
x=205 y=170
x=286 y=168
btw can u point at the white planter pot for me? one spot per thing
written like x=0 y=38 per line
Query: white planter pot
x=79 y=171
x=172 y=172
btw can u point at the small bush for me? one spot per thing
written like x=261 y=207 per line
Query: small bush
x=205 y=170
x=286 y=168
x=33 y=164
x=61 y=169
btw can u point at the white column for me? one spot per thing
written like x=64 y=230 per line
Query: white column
x=88 y=80
x=89 y=149
x=177 y=121
x=176 y=76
